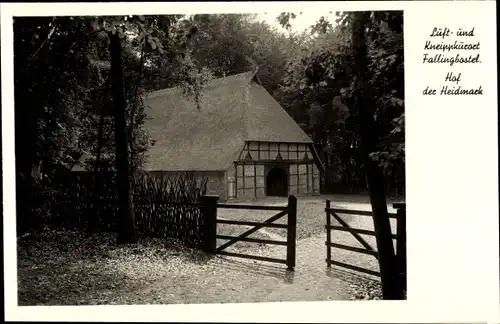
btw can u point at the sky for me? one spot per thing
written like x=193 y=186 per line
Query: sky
x=300 y=23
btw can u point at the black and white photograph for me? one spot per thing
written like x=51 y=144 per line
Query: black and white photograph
x=210 y=158
x=250 y=161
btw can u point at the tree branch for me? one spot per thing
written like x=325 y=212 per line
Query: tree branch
x=51 y=32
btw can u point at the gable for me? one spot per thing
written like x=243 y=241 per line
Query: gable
x=271 y=151
x=268 y=121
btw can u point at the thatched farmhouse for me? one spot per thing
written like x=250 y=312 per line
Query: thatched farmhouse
x=239 y=137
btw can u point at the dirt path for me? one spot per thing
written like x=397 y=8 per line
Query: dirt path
x=92 y=270
x=312 y=279
x=229 y=280
x=235 y=280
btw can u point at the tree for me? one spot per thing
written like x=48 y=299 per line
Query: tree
x=229 y=44
x=150 y=32
x=61 y=66
x=317 y=88
x=361 y=101
x=52 y=84
x=357 y=65
x=126 y=225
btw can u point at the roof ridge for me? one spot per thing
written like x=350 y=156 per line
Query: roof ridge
x=246 y=110
x=212 y=83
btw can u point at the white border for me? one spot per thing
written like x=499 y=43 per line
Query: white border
x=452 y=180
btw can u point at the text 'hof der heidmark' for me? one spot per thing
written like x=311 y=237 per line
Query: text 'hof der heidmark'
x=452 y=48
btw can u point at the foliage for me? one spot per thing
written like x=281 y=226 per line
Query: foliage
x=49 y=81
x=318 y=91
x=64 y=99
x=235 y=43
x=62 y=83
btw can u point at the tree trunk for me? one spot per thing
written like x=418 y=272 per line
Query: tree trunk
x=125 y=220
x=347 y=176
x=132 y=113
x=97 y=178
x=374 y=176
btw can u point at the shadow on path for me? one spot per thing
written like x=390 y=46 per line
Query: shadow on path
x=258 y=268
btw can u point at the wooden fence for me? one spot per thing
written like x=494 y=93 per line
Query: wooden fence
x=400 y=238
x=210 y=206
x=193 y=220
x=165 y=207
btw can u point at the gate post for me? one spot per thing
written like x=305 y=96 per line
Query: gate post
x=209 y=230
x=401 y=244
x=291 y=232
x=328 y=235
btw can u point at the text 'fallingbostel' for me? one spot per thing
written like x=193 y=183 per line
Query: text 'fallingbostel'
x=440 y=43
x=452 y=47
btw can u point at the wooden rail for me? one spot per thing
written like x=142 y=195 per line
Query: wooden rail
x=352 y=248
x=357 y=212
x=245 y=223
x=251 y=231
x=355 y=230
x=352 y=267
x=251 y=207
x=362 y=241
x=210 y=207
x=400 y=236
x=253 y=257
x=253 y=240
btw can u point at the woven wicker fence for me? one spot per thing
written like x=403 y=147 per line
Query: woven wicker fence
x=164 y=206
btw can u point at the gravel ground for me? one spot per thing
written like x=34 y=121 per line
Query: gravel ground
x=66 y=268
x=311 y=219
x=311 y=216
x=61 y=268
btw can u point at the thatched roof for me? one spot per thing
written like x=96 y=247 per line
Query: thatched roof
x=232 y=110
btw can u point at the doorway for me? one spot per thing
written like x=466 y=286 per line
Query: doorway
x=277 y=183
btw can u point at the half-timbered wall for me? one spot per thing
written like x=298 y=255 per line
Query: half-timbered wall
x=304 y=179
x=250 y=182
x=268 y=151
x=247 y=178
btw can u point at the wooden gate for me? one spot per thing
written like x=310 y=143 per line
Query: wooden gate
x=367 y=248
x=290 y=211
